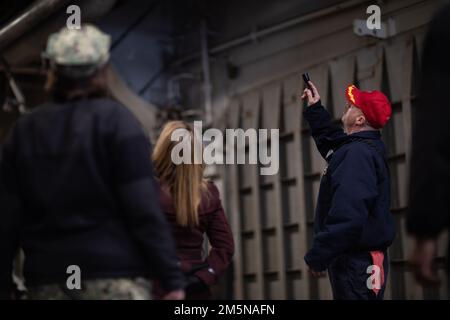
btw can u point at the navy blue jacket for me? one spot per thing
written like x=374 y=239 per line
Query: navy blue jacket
x=353 y=208
x=78 y=188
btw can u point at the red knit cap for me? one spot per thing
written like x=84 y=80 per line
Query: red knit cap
x=374 y=105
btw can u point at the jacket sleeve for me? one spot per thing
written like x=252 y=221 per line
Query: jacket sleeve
x=323 y=130
x=428 y=213
x=221 y=240
x=354 y=187
x=138 y=194
x=10 y=224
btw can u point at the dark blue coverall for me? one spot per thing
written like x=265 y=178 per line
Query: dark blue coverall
x=353 y=209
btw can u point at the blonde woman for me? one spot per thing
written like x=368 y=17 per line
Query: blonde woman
x=193 y=208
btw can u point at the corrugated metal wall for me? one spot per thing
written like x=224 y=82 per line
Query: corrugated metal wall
x=272 y=216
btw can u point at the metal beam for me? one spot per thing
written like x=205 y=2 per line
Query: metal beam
x=255 y=35
x=34 y=14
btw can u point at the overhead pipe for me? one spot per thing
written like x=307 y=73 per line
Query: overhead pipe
x=254 y=35
x=34 y=14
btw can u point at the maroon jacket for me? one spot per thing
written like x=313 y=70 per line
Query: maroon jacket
x=189 y=241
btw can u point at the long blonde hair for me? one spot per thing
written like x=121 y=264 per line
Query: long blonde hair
x=184 y=181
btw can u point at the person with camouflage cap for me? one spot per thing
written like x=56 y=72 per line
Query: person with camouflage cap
x=79 y=188
x=78 y=60
x=78 y=53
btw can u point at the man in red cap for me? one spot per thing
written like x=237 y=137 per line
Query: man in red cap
x=353 y=225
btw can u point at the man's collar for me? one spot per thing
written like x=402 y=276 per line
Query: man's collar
x=367 y=134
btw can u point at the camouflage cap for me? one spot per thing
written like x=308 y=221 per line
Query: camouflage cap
x=79 y=47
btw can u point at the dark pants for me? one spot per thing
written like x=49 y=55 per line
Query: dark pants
x=348 y=277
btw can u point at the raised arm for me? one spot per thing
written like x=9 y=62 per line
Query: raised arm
x=325 y=133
